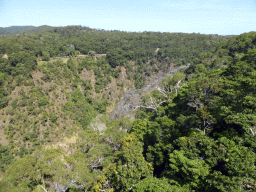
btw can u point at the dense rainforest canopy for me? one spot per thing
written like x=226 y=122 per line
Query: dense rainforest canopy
x=196 y=132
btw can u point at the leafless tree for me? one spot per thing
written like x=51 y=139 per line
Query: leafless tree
x=165 y=92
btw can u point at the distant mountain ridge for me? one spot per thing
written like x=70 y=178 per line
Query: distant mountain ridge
x=68 y=122
x=13 y=30
x=16 y=28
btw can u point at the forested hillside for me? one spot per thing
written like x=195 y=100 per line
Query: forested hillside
x=194 y=132
x=17 y=30
x=203 y=139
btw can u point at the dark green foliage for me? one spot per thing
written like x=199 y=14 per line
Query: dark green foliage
x=204 y=139
x=44 y=118
x=19 y=63
x=114 y=57
x=101 y=106
x=85 y=63
x=14 y=103
x=3 y=93
x=139 y=80
x=6 y=157
x=87 y=85
x=43 y=101
x=23 y=151
x=53 y=118
x=79 y=109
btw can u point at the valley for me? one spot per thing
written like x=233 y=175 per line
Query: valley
x=92 y=110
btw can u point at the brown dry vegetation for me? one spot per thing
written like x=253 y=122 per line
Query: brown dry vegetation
x=57 y=99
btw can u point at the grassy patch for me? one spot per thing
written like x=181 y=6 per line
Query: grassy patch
x=64 y=60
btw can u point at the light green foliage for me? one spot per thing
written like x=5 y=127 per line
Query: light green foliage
x=200 y=69
x=86 y=63
x=152 y=184
x=171 y=81
x=91 y=53
x=130 y=167
x=139 y=128
x=41 y=169
x=88 y=159
x=202 y=138
x=45 y=56
x=120 y=128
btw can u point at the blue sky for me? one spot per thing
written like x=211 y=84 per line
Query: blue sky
x=224 y=17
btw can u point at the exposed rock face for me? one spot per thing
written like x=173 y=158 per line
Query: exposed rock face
x=132 y=97
x=5 y=56
x=125 y=107
x=97 y=125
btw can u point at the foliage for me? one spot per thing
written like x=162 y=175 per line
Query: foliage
x=199 y=136
x=151 y=184
x=130 y=167
x=79 y=109
x=6 y=157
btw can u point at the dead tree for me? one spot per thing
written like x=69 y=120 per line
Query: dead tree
x=166 y=93
x=252 y=129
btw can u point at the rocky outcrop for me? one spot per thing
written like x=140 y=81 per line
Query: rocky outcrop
x=5 y=56
x=132 y=97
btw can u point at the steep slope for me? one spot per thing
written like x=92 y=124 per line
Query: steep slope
x=132 y=98
x=203 y=139
x=55 y=132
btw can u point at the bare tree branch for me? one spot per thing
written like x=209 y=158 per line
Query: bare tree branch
x=177 y=86
x=165 y=92
x=43 y=185
x=252 y=131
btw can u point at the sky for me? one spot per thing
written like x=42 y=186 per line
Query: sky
x=223 y=17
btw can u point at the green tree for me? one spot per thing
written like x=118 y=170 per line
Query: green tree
x=45 y=170
x=130 y=167
x=151 y=184
x=45 y=56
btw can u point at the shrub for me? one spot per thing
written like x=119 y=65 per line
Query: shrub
x=46 y=133
x=52 y=118
x=43 y=101
x=14 y=103
x=9 y=111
